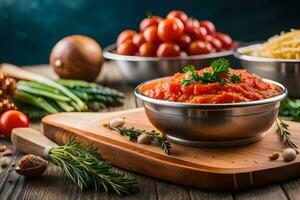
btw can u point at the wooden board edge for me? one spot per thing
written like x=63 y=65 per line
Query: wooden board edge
x=177 y=173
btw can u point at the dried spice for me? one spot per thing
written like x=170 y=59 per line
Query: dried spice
x=3 y=162
x=31 y=161
x=274 y=156
x=8 y=87
x=2 y=148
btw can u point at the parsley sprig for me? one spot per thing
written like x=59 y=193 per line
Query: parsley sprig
x=219 y=67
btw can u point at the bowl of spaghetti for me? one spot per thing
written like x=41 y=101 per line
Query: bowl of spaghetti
x=278 y=59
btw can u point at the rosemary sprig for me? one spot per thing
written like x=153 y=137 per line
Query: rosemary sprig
x=133 y=133
x=284 y=133
x=88 y=169
x=219 y=68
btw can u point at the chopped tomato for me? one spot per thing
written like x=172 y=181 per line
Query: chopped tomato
x=188 y=90
x=251 y=88
x=174 y=87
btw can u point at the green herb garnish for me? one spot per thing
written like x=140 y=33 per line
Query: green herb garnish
x=219 y=67
x=132 y=134
x=290 y=108
x=284 y=133
x=235 y=78
x=88 y=169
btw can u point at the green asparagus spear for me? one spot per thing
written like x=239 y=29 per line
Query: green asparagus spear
x=32 y=112
x=95 y=105
x=40 y=92
x=90 y=88
x=65 y=106
x=39 y=86
x=35 y=101
x=82 y=95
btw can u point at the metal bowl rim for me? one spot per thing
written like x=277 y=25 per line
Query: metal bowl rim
x=145 y=98
x=113 y=56
x=238 y=54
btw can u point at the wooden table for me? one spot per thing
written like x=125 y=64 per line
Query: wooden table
x=53 y=185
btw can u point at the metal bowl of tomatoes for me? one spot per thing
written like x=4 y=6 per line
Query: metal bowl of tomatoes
x=137 y=69
x=164 y=44
x=210 y=124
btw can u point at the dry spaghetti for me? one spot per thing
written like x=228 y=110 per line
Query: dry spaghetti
x=285 y=45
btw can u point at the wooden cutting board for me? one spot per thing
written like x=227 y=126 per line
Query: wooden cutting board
x=218 y=169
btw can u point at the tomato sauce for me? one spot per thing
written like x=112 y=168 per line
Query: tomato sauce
x=250 y=88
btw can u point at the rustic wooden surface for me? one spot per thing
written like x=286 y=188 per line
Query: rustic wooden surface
x=239 y=168
x=53 y=185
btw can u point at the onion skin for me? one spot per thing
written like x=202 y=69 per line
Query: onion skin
x=77 y=57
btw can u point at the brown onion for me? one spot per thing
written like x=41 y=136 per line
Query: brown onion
x=77 y=57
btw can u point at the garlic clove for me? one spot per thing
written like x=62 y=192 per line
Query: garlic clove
x=289 y=154
x=144 y=139
x=116 y=122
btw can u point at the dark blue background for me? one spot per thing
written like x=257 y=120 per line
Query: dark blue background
x=29 y=28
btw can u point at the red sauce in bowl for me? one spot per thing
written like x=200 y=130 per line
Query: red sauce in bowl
x=250 y=88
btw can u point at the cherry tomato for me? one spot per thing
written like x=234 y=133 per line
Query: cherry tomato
x=150 y=34
x=198 y=33
x=215 y=43
x=169 y=30
x=168 y=50
x=148 y=49
x=177 y=14
x=199 y=47
x=12 y=119
x=145 y=23
x=127 y=48
x=225 y=40
x=190 y=24
x=125 y=35
x=138 y=39
x=184 y=41
x=209 y=26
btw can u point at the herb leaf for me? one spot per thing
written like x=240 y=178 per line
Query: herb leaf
x=189 y=68
x=291 y=108
x=219 y=68
x=235 y=78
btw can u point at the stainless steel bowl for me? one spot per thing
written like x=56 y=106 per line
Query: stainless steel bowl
x=137 y=69
x=285 y=71
x=212 y=125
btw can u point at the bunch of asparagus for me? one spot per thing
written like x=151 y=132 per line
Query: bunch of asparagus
x=37 y=99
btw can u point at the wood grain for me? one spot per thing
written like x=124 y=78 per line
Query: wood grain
x=56 y=186
x=239 y=168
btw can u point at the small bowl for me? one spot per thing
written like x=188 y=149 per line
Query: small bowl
x=212 y=125
x=285 y=71
x=137 y=69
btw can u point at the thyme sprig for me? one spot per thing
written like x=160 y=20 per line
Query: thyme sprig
x=132 y=134
x=88 y=169
x=219 y=68
x=284 y=133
